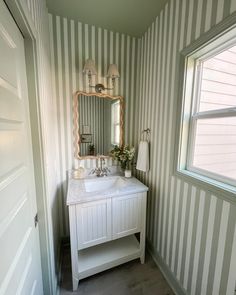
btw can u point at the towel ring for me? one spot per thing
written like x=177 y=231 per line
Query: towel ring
x=147 y=133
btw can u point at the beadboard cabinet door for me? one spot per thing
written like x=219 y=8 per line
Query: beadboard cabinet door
x=93 y=223
x=127 y=215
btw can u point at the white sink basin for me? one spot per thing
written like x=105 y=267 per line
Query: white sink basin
x=104 y=184
x=91 y=188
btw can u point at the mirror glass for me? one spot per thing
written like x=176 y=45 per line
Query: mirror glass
x=99 y=125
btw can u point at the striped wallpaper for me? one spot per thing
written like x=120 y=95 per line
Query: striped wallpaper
x=190 y=231
x=71 y=44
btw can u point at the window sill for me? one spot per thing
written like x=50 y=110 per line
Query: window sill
x=224 y=191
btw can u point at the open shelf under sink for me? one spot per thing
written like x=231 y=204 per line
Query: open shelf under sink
x=101 y=257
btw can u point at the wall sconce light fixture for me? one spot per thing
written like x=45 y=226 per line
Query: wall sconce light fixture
x=90 y=70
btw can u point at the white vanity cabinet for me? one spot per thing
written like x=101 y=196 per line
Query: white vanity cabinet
x=127 y=215
x=93 y=223
x=105 y=230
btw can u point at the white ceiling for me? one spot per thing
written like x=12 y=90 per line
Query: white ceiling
x=131 y=17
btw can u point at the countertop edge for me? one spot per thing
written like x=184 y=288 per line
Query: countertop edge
x=99 y=197
x=142 y=189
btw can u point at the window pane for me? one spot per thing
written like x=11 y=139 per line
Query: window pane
x=218 y=85
x=116 y=113
x=117 y=134
x=215 y=146
x=115 y=123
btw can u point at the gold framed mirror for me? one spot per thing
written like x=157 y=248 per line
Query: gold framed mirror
x=98 y=124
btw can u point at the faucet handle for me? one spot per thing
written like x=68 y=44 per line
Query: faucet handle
x=105 y=171
x=92 y=171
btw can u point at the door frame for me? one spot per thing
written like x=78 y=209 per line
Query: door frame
x=21 y=15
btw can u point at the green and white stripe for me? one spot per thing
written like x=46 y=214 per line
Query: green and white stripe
x=71 y=44
x=190 y=229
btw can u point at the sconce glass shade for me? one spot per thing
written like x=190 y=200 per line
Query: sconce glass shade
x=89 y=67
x=113 y=71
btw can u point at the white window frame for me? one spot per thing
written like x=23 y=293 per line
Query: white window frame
x=190 y=98
x=113 y=124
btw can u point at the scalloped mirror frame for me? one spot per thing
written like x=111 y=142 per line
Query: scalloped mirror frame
x=76 y=133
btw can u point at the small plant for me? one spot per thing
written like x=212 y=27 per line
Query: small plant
x=124 y=155
x=91 y=149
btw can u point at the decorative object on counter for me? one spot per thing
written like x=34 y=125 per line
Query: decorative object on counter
x=78 y=173
x=128 y=173
x=124 y=155
x=90 y=70
x=91 y=149
x=143 y=152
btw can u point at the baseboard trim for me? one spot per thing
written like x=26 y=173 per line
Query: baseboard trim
x=59 y=264
x=171 y=280
x=58 y=290
x=64 y=242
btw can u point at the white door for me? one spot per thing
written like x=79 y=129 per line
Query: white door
x=20 y=268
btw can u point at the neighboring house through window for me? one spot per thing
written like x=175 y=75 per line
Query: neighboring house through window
x=209 y=110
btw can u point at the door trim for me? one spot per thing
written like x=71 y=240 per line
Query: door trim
x=21 y=15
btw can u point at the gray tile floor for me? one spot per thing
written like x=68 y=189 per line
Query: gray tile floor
x=131 y=278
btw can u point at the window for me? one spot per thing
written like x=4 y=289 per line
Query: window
x=115 y=123
x=209 y=118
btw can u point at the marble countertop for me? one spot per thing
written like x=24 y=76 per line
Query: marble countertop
x=94 y=188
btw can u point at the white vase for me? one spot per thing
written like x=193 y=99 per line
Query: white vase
x=128 y=173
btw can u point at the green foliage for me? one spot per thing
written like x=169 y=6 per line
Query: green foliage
x=91 y=147
x=124 y=155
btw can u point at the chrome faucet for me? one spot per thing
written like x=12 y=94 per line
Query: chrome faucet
x=100 y=171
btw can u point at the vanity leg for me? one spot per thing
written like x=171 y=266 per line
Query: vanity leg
x=143 y=229
x=142 y=259
x=75 y=283
x=142 y=246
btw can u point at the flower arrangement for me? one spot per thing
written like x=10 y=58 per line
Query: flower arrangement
x=124 y=155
